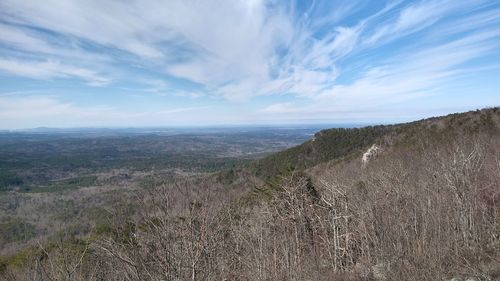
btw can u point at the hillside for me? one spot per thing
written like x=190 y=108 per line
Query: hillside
x=337 y=143
x=426 y=206
x=326 y=145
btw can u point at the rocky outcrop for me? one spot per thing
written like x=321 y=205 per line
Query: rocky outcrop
x=370 y=154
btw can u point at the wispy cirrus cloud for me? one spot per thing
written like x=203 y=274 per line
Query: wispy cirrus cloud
x=416 y=17
x=325 y=57
x=50 y=70
x=404 y=78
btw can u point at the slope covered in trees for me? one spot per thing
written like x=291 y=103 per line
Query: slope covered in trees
x=326 y=145
x=426 y=207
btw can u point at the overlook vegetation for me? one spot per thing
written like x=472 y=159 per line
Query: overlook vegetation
x=425 y=207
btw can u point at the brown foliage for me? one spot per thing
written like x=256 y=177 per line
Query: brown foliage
x=425 y=211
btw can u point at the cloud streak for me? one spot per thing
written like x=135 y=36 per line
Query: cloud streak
x=324 y=56
x=48 y=110
x=50 y=70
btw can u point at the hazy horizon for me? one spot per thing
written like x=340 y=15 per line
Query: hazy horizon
x=202 y=127
x=323 y=124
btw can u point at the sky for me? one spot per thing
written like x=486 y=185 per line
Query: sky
x=135 y=63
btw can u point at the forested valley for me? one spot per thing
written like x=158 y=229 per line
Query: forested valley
x=412 y=201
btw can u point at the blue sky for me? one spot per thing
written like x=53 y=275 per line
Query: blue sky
x=71 y=63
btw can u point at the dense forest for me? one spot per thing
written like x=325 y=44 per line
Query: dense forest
x=425 y=205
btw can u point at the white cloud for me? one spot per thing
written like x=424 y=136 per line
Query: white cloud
x=23 y=39
x=399 y=81
x=34 y=107
x=35 y=111
x=49 y=70
x=108 y=23
x=418 y=16
x=231 y=50
x=475 y=21
x=239 y=49
x=406 y=77
x=280 y=108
